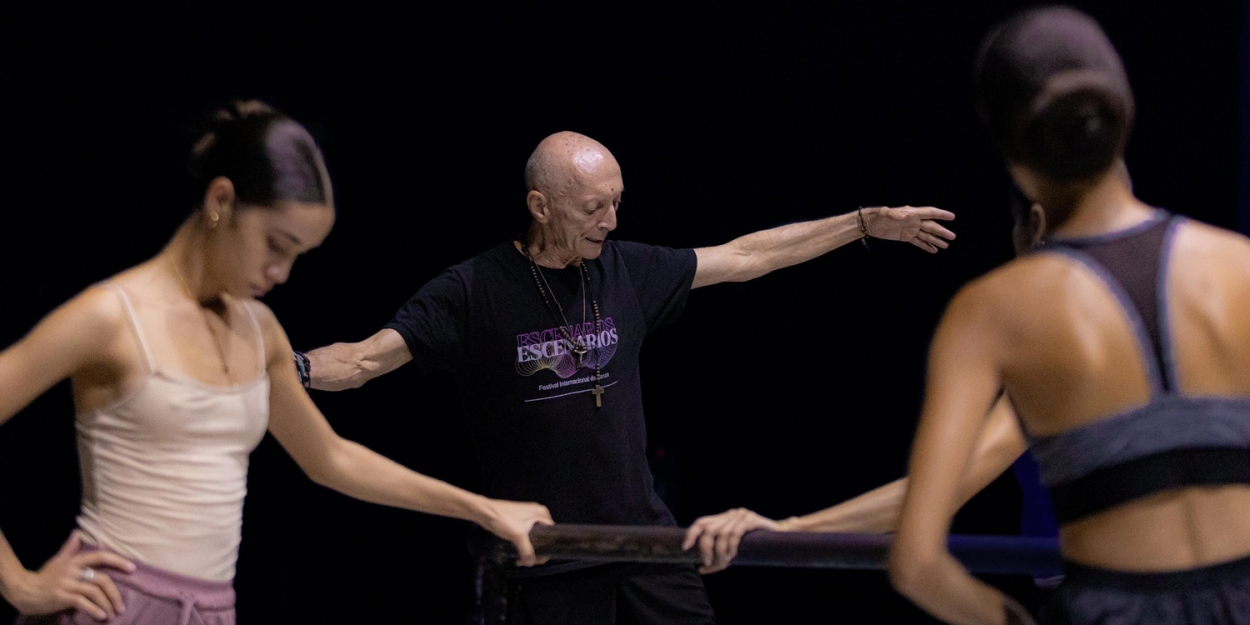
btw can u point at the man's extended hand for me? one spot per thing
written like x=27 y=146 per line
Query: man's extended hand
x=915 y=225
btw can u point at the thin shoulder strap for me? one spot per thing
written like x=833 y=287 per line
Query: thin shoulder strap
x=260 y=336
x=134 y=324
x=1144 y=344
x=1166 y=348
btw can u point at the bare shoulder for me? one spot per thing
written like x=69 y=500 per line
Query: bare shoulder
x=1210 y=270
x=264 y=315
x=83 y=331
x=98 y=315
x=1197 y=239
x=275 y=338
x=1018 y=286
x=97 y=309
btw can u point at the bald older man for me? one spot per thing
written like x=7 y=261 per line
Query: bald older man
x=542 y=336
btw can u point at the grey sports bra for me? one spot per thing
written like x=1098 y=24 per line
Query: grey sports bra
x=1173 y=441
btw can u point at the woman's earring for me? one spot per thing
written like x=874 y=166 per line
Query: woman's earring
x=213 y=218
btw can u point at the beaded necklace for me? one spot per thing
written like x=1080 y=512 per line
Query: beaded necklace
x=579 y=349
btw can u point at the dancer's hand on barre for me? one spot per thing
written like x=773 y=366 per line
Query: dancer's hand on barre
x=69 y=580
x=718 y=536
x=512 y=521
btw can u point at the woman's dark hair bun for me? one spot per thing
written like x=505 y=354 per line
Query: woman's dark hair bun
x=267 y=156
x=1077 y=126
x=231 y=115
x=1053 y=94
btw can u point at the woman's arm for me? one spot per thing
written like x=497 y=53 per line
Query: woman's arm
x=876 y=511
x=998 y=445
x=963 y=379
x=353 y=470
x=79 y=336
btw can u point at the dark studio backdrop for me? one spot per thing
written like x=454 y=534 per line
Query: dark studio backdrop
x=785 y=394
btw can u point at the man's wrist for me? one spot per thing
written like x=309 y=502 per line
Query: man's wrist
x=872 y=221
x=865 y=217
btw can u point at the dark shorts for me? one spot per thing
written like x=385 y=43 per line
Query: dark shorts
x=612 y=594
x=1212 y=595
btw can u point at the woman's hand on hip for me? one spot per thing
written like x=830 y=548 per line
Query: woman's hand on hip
x=71 y=580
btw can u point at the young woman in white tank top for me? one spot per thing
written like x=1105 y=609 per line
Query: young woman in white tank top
x=178 y=372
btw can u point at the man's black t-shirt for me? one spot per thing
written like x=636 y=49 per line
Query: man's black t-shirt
x=538 y=434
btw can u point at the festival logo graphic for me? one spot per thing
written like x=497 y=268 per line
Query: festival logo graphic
x=550 y=349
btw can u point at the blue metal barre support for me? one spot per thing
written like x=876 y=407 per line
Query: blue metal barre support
x=1038 y=557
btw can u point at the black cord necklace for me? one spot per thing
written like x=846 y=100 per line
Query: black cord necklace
x=579 y=348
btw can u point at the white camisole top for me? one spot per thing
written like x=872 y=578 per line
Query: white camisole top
x=164 y=469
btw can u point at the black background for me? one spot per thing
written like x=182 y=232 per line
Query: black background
x=785 y=394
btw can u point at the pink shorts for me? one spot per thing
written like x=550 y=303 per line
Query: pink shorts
x=155 y=596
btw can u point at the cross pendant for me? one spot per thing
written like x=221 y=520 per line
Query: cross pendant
x=579 y=355
x=598 y=393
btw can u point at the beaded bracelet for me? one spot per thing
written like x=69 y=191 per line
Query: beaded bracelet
x=863 y=228
x=304 y=368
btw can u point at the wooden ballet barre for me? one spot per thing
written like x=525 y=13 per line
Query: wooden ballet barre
x=1038 y=557
x=622 y=543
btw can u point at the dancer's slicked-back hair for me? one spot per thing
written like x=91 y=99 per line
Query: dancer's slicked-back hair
x=268 y=156
x=1053 y=94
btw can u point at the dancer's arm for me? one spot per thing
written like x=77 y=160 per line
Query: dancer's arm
x=751 y=256
x=349 y=365
x=964 y=366
x=998 y=445
x=354 y=470
x=876 y=511
x=75 y=338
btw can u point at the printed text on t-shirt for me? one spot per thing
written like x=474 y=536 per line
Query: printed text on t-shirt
x=551 y=349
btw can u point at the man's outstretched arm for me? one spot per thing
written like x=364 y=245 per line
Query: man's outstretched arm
x=754 y=255
x=349 y=365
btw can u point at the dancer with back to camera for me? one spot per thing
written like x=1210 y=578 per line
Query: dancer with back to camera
x=1124 y=347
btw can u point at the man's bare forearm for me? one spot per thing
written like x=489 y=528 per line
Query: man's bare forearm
x=776 y=248
x=759 y=253
x=336 y=367
x=793 y=244
x=349 y=365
